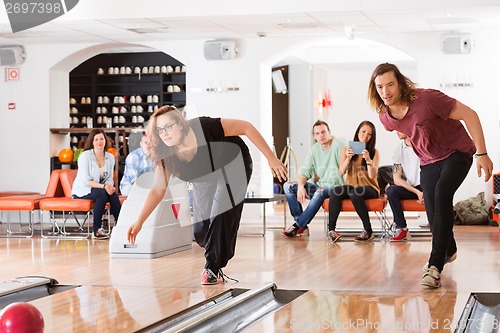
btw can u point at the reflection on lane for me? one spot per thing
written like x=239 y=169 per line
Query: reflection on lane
x=321 y=311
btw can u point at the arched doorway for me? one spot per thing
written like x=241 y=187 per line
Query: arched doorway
x=336 y=69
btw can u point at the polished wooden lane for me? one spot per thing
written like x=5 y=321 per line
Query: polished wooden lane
x=120 y=309
x=378 y=280
x=324 y=311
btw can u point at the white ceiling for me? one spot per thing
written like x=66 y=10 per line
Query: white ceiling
x=369 y=16
x=115 y=21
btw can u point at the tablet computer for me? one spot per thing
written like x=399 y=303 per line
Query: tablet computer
x=357 y=146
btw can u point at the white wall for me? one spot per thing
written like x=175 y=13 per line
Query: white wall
x=300 y=81
x=307 y=84
x=25 y=137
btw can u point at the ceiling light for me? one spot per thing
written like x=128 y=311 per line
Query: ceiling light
x=149 y=30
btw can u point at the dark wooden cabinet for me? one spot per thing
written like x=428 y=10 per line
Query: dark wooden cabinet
x=123 y=90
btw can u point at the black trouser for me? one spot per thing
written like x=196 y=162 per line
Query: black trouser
x=218 y=204
x=101 y=197
x=395 y=194
x=357 y=196
x=440 y=181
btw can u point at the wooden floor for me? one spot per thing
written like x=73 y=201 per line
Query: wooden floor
x=351 y=287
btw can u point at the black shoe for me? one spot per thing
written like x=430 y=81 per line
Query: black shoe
x=292 y=231
x=365 y=236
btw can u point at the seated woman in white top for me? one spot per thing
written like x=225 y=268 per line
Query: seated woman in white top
x=94 y=179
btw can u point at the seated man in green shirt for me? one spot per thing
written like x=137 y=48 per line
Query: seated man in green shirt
x=322 y=167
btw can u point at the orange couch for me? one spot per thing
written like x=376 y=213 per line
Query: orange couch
x=31 y=203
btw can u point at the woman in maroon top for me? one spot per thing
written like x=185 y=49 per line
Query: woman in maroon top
x=431 y=120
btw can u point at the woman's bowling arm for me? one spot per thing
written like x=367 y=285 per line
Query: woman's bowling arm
x=153 y=198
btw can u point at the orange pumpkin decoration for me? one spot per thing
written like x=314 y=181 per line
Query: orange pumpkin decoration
x=66 y=155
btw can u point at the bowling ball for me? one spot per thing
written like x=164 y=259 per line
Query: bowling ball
x=77 y=154
x=112 y=151
x=66 y=155
x=21 y=317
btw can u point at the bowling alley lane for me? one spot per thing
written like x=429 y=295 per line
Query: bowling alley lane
x=376 y=285
x=132 y=309
x=117 y=309
x=340 y=311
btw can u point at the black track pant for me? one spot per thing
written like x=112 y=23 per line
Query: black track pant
x=357 y=196
x=218 y=204
x=440 y=181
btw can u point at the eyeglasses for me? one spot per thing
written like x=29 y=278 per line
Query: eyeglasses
x=167 y=128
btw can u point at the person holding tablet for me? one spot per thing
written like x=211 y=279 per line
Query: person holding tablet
x=360 y=165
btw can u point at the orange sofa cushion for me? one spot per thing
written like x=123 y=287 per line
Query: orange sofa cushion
x=67 y=179
x=374 y=205
x=412 y=205
x=67 y=204
x=31 y=201
x=21 y=202
x=14 y=193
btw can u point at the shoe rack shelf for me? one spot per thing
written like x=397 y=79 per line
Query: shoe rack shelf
x=109 y=91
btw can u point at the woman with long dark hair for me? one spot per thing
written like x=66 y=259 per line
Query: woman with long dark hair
x=94 y=179
x=361 y=182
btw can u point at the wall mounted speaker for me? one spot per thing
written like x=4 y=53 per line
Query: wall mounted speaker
x=279 y=82
x=11 y=55
x=456 y=44
x=219 y=49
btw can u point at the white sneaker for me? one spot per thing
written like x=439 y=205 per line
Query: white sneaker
x=432 y=277
x=100 y=234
